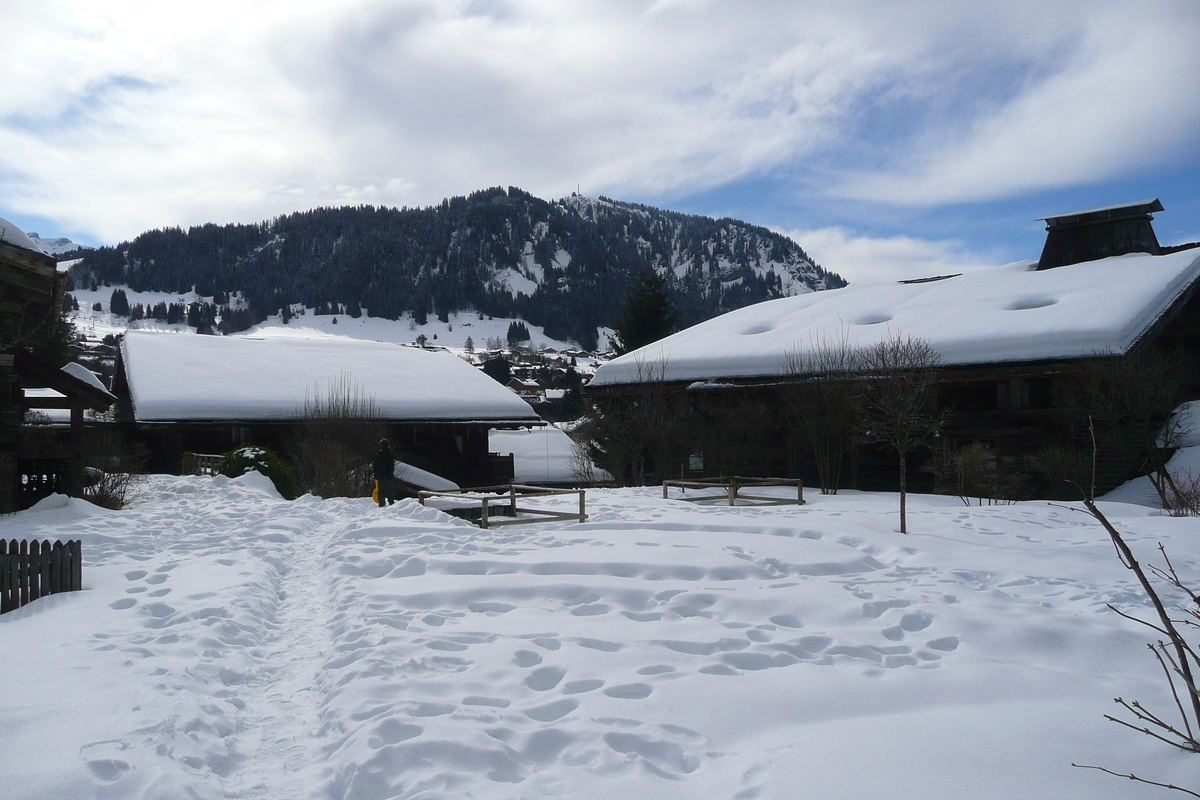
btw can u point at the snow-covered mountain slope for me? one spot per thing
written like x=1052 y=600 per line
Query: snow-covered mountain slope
x=56 y=246
x=563 y=265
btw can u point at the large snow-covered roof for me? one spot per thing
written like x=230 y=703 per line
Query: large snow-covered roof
x=1009 y=313
x=11 y=234
x=192 y=377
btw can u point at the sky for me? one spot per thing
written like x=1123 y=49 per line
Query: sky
x=891 y=140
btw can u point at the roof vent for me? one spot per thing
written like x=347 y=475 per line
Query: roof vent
x=1099 y=233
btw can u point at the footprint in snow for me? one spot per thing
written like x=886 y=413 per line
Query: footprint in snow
x=543 y=679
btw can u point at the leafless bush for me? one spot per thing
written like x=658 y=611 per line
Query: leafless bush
x=1066 y=468
x=339 y=432
x=636 y=436
x=976 y=471
x=823 y=402
x=113 y=466
x=1184 y=494
x=1130 y=400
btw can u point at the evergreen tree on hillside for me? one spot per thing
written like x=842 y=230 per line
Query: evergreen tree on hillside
x=119 y=303
x=517 y=332
x=649 y=314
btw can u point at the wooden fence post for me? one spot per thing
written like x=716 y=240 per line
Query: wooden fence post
x=44 y=578
x=582 y=515
x=76 y=565
x=23 y=572
x=5 y=578
x=483 y=512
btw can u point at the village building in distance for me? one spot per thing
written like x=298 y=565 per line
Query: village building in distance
x=1007 y=336
x=183 y=393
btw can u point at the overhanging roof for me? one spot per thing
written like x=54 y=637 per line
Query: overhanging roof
x=196 y=378
x=996 y=315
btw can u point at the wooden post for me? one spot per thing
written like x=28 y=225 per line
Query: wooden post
x=733 y=491
x=582 y=515
x=56 y=568
x=44 y=579
x=800 y=492
x=5 y=578
x=664 y=490
x=76 y=565
x=483 y=514
x=512 y=499
x=74 y=480
x=23 y=573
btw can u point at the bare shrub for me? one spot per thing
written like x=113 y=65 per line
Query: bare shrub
x=113 y=466
x=1131 y=400
x=339 y=433
x=1184 y=494
x=636 y=436
x=823 y=402
x=1066 y=469
x=976 y=471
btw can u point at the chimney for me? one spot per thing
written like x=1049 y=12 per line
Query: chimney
x=1099 y=233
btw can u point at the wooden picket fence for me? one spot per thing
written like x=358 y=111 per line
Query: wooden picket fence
x=33 y=569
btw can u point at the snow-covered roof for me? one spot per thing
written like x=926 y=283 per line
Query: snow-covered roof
x=77 y=370
x=1009 y=313
x=192 y=377
x=11 y=234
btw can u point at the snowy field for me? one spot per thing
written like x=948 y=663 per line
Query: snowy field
x=230 y=644
x=452 y=334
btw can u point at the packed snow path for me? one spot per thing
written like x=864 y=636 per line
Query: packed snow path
x=230 y=644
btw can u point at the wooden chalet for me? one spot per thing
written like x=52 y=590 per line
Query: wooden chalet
x=181 y=393
x=1010 y=339
x=31 y=291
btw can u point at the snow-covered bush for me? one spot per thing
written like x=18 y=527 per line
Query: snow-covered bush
x=238 y=462
x=112 y=466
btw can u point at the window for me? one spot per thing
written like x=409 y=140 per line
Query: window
x=1012 y=394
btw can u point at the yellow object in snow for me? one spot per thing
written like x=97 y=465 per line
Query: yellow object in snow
x=375 y=492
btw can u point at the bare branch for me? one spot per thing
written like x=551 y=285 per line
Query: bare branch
x=1133 y=777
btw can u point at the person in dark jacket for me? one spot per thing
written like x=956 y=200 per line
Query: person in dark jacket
x=385 y=473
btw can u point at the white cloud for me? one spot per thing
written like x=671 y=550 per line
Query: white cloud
x=865 y=259
x=126 y=115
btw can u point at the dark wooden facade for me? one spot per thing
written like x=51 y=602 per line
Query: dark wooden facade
x=454 y=449
x=457 y=451
x=736 y=426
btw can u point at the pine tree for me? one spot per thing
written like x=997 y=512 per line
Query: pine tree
x=119 y=304
x=517 y=332
x=469 y=345
x=649 y=314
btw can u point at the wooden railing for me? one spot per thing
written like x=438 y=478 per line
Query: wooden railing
x=33 y=569
x=734 y=489
x=501 y=501
x=199 y=464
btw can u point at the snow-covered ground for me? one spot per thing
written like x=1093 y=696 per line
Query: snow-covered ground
x=543 y=455
x=231 y=644
x=452 y=334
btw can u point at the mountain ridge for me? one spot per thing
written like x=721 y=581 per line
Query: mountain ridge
x=562 y=264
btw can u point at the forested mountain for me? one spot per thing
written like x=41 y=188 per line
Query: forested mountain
x=564 y=265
